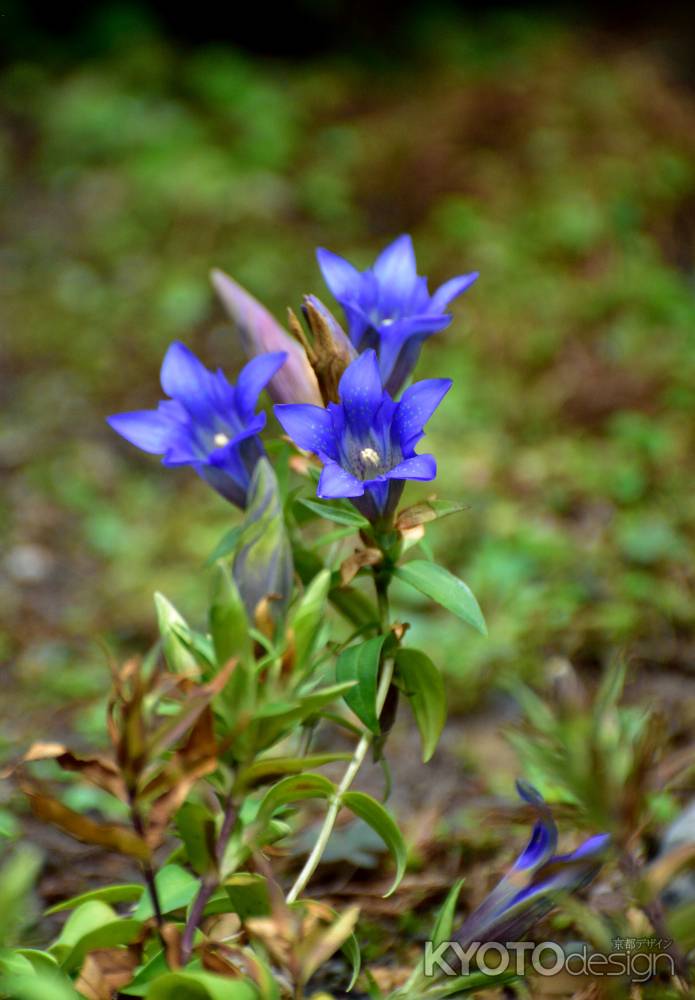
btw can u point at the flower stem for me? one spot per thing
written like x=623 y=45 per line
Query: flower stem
x=360 y=753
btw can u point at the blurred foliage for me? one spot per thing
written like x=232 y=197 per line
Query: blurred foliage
x=558 y=164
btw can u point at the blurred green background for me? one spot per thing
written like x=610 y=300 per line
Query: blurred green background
x=555 y=156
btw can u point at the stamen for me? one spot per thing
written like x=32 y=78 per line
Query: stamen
x=220 y=440
x=370 y=457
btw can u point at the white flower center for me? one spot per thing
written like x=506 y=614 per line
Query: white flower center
x=387 y=322
x=220 y=440
x=370 y=457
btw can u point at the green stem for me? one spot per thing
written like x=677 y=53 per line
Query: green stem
x=360 y=753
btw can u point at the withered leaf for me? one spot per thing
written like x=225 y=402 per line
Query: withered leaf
x=111 y=835
x=354 y=563
x=98 y=770
x=105 y=971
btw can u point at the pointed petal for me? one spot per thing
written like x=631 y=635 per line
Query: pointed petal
x=361 y=392
x=185 y=378
x=149 y=430
x=452 y=288
x=421 y=467
x=335 y=482
x=342 y=278
x=417 y=406
x=395 y=266
x=400 y=342
x=310 y=427
x=254 y=377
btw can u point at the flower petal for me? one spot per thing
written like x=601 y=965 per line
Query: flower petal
x=342 y=278
x=396 y=340
x=185 y=378
x=361 y=392
x=395 y=266
x=150 y=430
x=450 y=290
x=421 y=467
x=310 y=427
x=416 y=407
x=335 y=482
x=253 y=378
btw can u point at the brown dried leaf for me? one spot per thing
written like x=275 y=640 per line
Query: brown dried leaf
x=98 y=770
x=105 y=971
x=317 y=947
x=171 y=936
x=116 y=837
x=355 y=562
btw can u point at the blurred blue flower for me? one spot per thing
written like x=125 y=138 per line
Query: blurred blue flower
x=529 y=890
x=208 y=422
x=389 y=308
x=367 y=441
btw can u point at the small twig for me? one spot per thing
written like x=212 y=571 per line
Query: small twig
x=147 y=869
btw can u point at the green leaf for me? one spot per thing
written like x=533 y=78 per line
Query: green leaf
x=127 y=893
x=176 y=651
x=423 y=686
x=374 y=814
x=446 y=589
x=444 y=924
x=351 y=950
x=294 y=789
x=361 y=664
x=176 y=887
x=271 y=724
x=38 y=985
x=200 y=986
x=308 y=617
x=338 y=514
x=229 y=623
x=248 y=894
x=87 y=917
x=195 y=825
x=121 y=931
x=225 y=547
x=272 y=767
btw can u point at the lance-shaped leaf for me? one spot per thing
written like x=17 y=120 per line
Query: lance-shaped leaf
x=423 y=686
x=229 y=623
x=446 y=589
x=361 y=664
x=307 y=618
x=295 y=382
x=374 y=814
x=262 y=565
x=296 y=788
x=115 y=837
x=98 y=770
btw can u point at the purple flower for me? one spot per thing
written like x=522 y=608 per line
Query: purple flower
x=528 y=891
x=388 y=306
x=367 y=441
x=208 y=423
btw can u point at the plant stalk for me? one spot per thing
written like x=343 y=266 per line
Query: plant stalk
x=360 y=753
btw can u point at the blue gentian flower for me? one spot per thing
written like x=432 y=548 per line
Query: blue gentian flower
x=538 y=875
x=389 y=308
x=208 y=423
x=367 y=441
